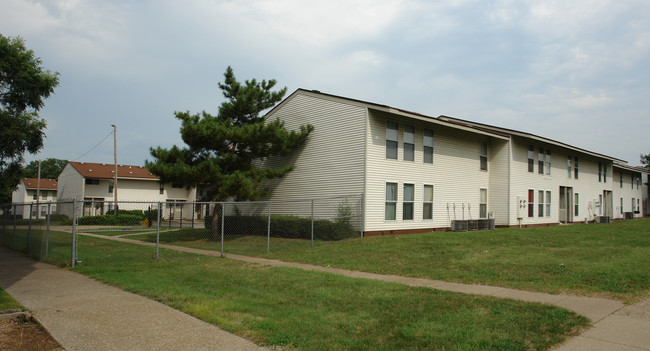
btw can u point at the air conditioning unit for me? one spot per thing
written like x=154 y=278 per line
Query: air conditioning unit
x=603 y=219
x=459 y=226
x=472 y=224
x=483 y=224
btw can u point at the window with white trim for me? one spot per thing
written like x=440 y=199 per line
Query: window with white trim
x=631 y=181
x=548 y=204
x=531 y=158
x=391 y=140
x=390 y=212
x=427 y=142
x=569 y=167
x=531 y=203
x=620 y=182
x=482 y=203
x=621 y=205
x=600 y=171
x=408 y=207
x=484 y=156
x=575 y=167
x=409 y=143
x=576 y=204
x=548 y=162
x=427 y=202
x=540 y=161
x=540 y=204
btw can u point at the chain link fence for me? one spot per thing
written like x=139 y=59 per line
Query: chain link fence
x=68 y=232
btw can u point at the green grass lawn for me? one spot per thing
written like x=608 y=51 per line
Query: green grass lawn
x=610 y=260
x=8 y=303
x=304 y=310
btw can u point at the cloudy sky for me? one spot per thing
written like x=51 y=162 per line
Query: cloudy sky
x=575 y=71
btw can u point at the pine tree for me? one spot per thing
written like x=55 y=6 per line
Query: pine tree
x=222 y=150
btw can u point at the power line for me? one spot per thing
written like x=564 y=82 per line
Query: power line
x=94 y=147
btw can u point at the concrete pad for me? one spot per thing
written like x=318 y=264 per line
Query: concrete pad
x=591 y=307
x=580 y=343
x=622 y=330
x=84 y=314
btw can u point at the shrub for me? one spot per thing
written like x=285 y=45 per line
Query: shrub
x=290 y=227
x=111 y=219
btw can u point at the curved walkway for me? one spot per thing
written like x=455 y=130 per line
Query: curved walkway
x=615 y=326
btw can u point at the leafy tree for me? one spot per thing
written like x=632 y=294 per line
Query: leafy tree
x=222 y=150
x=50 y=168
x=24 y=85
x=645 y=161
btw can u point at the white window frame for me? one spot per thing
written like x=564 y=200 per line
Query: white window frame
x=548 y=203
x=427 y=145
x=426 y=201
x=482 y=203
x=406 y=202
x=390 y=140
x=547 y=162
x=540 y=161
x=483 y=156
x=531 y=159
x=408 y=141
x=391 y=201
x=576 y=204
x=540 y=203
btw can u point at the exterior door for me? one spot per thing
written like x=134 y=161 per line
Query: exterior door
x=566 y=204
x=608 y=204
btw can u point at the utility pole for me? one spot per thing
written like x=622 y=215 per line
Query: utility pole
x=115 y=157
x=38 y=188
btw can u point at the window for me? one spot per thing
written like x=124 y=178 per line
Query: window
x=407 y=205
x=43 y=195
x=638 y=180
x=110 y=189
x=540 y=161
x=531 y=203
x=90 y=181
x=391 y=202
x=162 y=188
x=621 y=205
x=600 y=172
x=638 y=204
x=427 y=202
x=482 y=203
x=620 y=174
x=484 y=156
x=409 y=143
x=391 y=140
x=631 y=181
x=548 y=162
x=569 y=167
x=548 y=204
x=633 y=205
x=34 y=196
x=575 y=167
x=427 y=141
x=576 y=204
x=605 y=173
x=540 y=204
x=531 y=159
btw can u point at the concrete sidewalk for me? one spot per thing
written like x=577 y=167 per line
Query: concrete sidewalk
x=84 y=314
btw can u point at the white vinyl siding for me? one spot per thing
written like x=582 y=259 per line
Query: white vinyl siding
x=332 y=161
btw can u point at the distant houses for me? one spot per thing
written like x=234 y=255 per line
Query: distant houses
x=37 y=195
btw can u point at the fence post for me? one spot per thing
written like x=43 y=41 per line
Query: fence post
x=15 y=224
x=268 y=231
x=193 y=213
x=47 y=231
x=181 y=219
x=223 y=216
x=29 y=227
x=158 y=230
x=312 y=222
x=74 y=233
x=170 y=216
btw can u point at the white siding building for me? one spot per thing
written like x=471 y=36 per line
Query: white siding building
x=93 y=184
x=418 y=173
x=33 y=191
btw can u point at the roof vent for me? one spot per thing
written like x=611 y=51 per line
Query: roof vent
x=103 y=164
x=90 y=170
x=81 y=162
x=130 y=172
x=112 y=171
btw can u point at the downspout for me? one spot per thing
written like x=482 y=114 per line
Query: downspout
x=364 y=197
x=510 y=181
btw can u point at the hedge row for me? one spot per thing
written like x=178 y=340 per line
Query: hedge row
x=111 y=219
x=290 y=227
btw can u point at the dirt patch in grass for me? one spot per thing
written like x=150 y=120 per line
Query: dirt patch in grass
x=26 y=335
